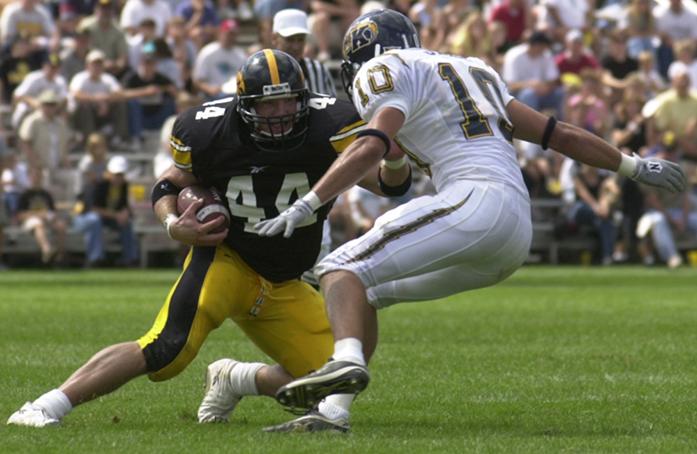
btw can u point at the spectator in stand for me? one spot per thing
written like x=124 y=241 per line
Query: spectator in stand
x=135 y=11
x=427 y=17
x=16 y=61
x=472 y=39
x=91 y=167
x=219 y=61
x=454 y=14
x=596 y=197
x=617 y=63
x=150 y=96
x=201 y=20
x=163 y=159
x=73 y=58
x=145 y=36
x=183 y=49
x=675 y=21
x=557 y=17
x=290 y=33
x=45 y=137
x=647 y=73
x=165 y=62
x=15 y=180
x=640 y=26
x=27 y=19
x=330 y=16
x=265 y=10
x=677 y=113
x=26 y=95
x=532 y=75
x=685 y=54
x=80 y=8
x=588 y=109
x=110 y=209
x=95 y=100
x=668 y=215
x=106 y=36
x=37 y=213
x=575 y=58
x=516 y=17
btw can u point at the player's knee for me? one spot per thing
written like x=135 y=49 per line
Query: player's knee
x=166 y=357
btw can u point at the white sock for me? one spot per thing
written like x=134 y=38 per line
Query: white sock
x=349 y=349
x=243 y=378
x=336 y=406
x=55 y=403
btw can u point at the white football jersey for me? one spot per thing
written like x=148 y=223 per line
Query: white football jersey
x=456 y=126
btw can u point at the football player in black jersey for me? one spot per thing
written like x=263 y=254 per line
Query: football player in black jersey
x=263 y=149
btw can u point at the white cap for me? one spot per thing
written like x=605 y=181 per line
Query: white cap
x=573 y=35
x=677 y=69
x=117 y=164
x=289 y=22
x=94 y=55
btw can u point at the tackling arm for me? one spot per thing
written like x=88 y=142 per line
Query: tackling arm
x=590 y=149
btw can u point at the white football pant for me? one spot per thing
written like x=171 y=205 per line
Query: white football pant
x=470 y=235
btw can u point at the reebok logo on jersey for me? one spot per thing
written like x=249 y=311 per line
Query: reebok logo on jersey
x=257 y=169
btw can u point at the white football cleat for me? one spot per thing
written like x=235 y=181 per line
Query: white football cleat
x=31 y=416
x=220 y=399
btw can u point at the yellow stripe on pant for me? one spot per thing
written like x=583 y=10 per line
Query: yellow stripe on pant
x=286 y=320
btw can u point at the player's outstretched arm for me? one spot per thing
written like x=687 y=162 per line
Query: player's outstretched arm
x=590 y=149
x=184 y=228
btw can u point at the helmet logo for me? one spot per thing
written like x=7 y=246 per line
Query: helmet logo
x=361 y=35
x=277 y=89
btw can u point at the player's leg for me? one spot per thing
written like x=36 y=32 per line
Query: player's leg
x=178 y=332
x=467 y=223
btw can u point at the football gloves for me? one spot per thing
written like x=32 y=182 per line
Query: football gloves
x=287 y=221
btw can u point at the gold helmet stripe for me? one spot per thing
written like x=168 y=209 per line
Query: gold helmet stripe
x=240 y=83
x=273 y=67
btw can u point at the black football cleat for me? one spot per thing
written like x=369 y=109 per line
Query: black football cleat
x=335 y=377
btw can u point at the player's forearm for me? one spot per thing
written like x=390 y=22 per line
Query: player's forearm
x=585 y=147
x=362 y=156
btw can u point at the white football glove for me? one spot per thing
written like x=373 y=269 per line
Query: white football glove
x=287 y=221
x=659 y=173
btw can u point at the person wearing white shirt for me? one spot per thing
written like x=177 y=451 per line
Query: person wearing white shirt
x=676 y=21
x=219 y=61
x=95 y=101
x=25 y=96
x=26 y=18
x=134 y=11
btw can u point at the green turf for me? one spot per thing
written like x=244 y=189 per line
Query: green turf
x=554 y=359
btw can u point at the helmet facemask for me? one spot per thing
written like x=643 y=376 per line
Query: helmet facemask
x=280 y=132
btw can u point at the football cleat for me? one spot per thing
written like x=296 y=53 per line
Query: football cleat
x=220 y=399
x=314 y=421
x=31 y=416
x=335 y=377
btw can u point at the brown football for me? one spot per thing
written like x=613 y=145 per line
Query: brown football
x=212 y=208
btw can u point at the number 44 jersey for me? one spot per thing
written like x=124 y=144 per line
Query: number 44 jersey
x=456 y=126
x=213 y=143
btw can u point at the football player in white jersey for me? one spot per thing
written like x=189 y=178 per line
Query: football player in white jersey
x=455 y=119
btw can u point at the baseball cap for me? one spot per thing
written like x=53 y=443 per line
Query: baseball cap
x=117 y=164
x=573 y=35
x=539 y=37
x=49 y=97
x=289 y=22
x=228 y=25
x=53 y=59
x=94 y=55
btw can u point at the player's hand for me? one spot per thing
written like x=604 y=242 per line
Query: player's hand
x=188 y=230
x=287 y=221
x=660 y=173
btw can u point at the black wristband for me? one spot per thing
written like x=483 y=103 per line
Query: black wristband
x=162 y=188
x=551 y=123
x=394 y=191
x=380 y=135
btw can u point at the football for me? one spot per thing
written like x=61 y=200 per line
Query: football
x=212 y=208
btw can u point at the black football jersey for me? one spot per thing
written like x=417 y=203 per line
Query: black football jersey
x=212 y=142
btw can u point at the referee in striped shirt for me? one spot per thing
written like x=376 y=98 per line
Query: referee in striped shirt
x=289 y=35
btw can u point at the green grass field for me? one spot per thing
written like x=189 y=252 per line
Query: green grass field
x=554 y=359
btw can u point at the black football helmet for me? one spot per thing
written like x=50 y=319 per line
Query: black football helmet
x=373 y=34
x=266 y=75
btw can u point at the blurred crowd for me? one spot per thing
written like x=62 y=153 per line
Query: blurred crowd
x=83 y=82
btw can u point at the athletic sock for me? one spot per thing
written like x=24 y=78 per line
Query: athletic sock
x=55 y=403
x=243 y=378
x=349 y=349
x=336 y=406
